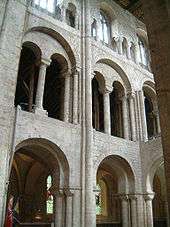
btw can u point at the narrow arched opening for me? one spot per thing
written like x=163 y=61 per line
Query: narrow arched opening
x=97 y=103
x=116 y=110
x=27 y=77
x=54 y=89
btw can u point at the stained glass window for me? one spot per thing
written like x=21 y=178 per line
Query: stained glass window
x=50 y=199
x=98 y=201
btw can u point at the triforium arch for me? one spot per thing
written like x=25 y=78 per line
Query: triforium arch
x=39 y=182
x=116 y=90
x=98 y=86
x=54 y=67
x=151 y=109
x=155 y=198
x=28 y=74
x=115 y=185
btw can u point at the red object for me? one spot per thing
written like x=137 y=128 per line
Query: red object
x=9 y=216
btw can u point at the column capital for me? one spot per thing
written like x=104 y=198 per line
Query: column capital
x=131 y=95
x=66 y=74
x=68 y=192
x=132 y=197
x=149 y=196
x=45 y=61
x=107 y=89
x=124 y=197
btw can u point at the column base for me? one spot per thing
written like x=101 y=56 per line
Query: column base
x=40 y=111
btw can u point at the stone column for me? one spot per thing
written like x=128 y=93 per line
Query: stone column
x=63 y=14
x=40 y=87
x=75 y=96
x=157 y=121
x=88 y=198
x=125 y=211
x=120 y=49
x=133 y=201
x=149 y=212
x=107 y=120
x=69 y=210
x=143 y=116
x=132 y=116
x=66 y=97
x=77 y=21
x=125 y=118
x=59 y=197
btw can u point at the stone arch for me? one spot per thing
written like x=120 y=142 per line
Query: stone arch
x=142 y=33
x=101 y=80
x=59 y=38
x=123 y=171
x=104 y=6
x=55 y=153
x=149 y=89
x=34 y=47
x=119 y=70
x=151 y=173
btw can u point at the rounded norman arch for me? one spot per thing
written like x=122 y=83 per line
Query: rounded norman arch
x=59 y=38
x=122 y=170
x=119 y=70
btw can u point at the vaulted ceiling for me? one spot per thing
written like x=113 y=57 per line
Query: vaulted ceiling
x=133 y=6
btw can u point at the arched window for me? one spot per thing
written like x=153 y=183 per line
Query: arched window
x=124 y=47
x=132 y=52
x=48 y=5
x=71 y=15
x=50 y=199
x=94 y=29
x=143 y=51
x=104 y=31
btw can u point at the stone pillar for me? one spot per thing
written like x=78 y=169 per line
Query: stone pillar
x=120 y=49
x=59 y=197
x=132 y=116
x=77 y=21
x=157 y=121
x=40 y=87
x=157 y=17
x=69 y=210
x=143 y=116
x=75 y=96
x=149 y=212
x=125 y=118
x=63 y=13
x=88 y=212
x=125 y=210
x=133 y=210
x=66 y=97
x=107 y=120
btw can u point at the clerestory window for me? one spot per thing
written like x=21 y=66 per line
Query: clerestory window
x=49 y=5
x=144 y=59
x=104 y=31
